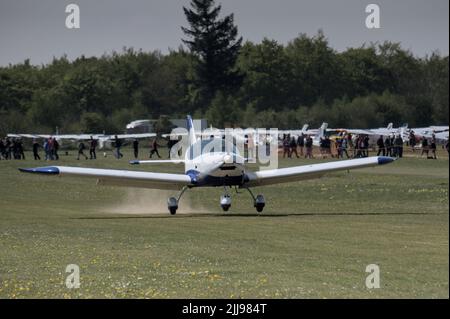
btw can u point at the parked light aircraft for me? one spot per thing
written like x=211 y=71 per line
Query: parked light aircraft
x=315 y=134
x=440 y=133
x=102 y=138
x=219 y=168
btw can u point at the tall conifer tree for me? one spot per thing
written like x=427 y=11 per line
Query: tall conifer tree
x=215 y=43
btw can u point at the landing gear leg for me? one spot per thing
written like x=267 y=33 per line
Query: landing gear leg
x=172 y=202
x=258 y=201
x=225 y=200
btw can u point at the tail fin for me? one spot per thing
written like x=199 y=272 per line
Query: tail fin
x=390 y=126
x=305 y=128
x=323 y=129
x=191 y=130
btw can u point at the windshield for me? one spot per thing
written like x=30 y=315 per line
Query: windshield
x=211 y=146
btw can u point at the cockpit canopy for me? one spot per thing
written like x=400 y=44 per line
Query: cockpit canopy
x=208 y=146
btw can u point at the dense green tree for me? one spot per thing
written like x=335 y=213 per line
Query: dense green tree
x=214 y=42
x=316 y=72
x=435 y=70
x=363 y=72
x=284 y=86
x=268 y=75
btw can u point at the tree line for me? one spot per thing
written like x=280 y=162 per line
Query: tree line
x=217 y=76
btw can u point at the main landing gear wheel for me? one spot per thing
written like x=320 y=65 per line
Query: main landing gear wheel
x=258 y=201
x=172 y=202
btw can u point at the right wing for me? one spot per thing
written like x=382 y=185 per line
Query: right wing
x=298 y=173
x=118 y=177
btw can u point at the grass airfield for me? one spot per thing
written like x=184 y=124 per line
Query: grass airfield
x=313 y=240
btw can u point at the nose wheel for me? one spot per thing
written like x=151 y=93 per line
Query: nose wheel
x=225 y=201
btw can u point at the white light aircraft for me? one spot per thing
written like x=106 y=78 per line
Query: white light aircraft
x=224 y=168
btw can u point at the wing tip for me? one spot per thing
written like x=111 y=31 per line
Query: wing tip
x=382 y=160
x=49 y=170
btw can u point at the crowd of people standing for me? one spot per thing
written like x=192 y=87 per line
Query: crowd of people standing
x=11 y=149
x=345 y=145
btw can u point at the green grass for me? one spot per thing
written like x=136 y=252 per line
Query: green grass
x=314 y=239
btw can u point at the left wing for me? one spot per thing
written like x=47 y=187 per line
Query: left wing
x=137 y=162
x=118 y=177
x=298 y=173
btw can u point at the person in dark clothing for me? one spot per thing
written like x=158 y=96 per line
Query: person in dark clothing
x=154 y=149
x=388 y=147
x=55 y=149
x=51 y=148
x=322 y=147
x=8 y=149
x=92 y=148
x=380 y=144
x=425 y=148
x=398 y=145
x=433 y=147
x=293 y=147
x=393 y=148
x=309 y=147
x=301 y=143
x=13 y=149
x=412 y=140
x=358 y=147
x=118 y=144
x=81 y=148
x=136 y=148
x=20 y=152
x=36 y=150
x=366 y=140
x=286 y=144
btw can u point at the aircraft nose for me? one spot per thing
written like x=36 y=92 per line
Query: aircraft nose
x=228 y=159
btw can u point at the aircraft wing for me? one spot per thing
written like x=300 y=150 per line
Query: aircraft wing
x=358 y=131
x=298 y=173
x=137 y=162
x=118 y=177
x=25 y=136
x=132 y=136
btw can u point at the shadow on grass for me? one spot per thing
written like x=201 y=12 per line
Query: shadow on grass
x=246 y=215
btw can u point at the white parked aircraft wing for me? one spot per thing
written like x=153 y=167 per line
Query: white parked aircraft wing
x=130 y=136
x=298 y=173
x=118 y=177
